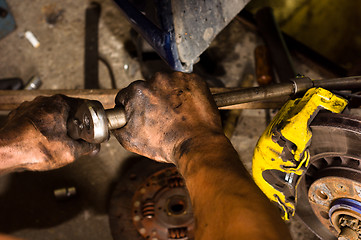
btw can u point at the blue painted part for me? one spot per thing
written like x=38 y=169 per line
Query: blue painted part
x=162 y=40
x=166 y=20
x=7 y=24
x=345 y=203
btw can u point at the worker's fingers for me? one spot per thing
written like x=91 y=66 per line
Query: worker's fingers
x=85 y=148
x=134 y=89
x=123 y=137
x=7 y=237
x=167 y=81
x=175 y=80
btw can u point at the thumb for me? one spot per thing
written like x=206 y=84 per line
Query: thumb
x=85 y=148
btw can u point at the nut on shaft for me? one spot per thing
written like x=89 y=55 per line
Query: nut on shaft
x=92 y=123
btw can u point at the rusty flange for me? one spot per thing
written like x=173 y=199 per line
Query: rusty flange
x=333 y=176
x=150 y=201
x=324 y=195
x=162 y=208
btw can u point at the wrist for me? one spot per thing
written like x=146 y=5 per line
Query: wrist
x=16 y=151
x=192 y=143
x=202 y=150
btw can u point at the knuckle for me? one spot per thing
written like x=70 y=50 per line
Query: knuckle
x=178 y=74
x=57 y=98
x=39 y=98
x=196 y=78
x=160 y=78
x=139 y=84
x=126 y=93
x=160 y=75
x=198 y=81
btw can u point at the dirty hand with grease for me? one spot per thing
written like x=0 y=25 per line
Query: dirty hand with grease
x=34 y=136
x=165 y=114
x=173 y=118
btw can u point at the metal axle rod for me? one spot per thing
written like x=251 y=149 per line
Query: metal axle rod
x=11 y=99
x=295 y=86
x=271 y=96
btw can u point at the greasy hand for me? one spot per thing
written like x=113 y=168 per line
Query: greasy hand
x=37 y=132
x=166 y=114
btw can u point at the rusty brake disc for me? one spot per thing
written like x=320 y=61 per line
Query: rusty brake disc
x=329 y=194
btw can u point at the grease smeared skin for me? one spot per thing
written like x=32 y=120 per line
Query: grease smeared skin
x=34 y=136
x=164 y=112
x=185 y=147
x=6 y=237
x=173 y=118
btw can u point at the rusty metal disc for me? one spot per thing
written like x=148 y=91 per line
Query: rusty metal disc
x=162 y=208
x=329 y=194
x=150 y=201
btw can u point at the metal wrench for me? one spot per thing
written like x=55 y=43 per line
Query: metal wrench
x=93 y=123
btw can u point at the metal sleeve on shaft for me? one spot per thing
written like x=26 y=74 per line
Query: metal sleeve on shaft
x=116 y=117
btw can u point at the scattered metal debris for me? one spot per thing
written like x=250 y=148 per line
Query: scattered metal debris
x=162 y=208
x=64 y=193
x=33 y=83
x=32 y=39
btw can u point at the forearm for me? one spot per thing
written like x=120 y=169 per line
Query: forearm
x=12 y=152
x=19 y=150
x=7 y=237
x=9 y=159
x=227 y=203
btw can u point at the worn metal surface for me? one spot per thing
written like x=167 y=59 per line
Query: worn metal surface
x=89 y=123
x=149 y=200
x=324 y=194
x=334 y=170
x=224 y=97
x=196 y=24
x=162 y=208
x=160 y=36
x=10 y=100
x=116 y=117
x=33 y=83
x=92 y=123
x=297 y=85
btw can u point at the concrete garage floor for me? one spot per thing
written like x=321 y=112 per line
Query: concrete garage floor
x=28 y=208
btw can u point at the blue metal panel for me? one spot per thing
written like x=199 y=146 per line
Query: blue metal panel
x=7 y=22
x=162 y=40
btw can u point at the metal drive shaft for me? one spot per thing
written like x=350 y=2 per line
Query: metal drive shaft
x=295 y=86
x=93 y=123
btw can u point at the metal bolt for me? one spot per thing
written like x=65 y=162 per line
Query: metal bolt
x=64 y=193
x=34 y=83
